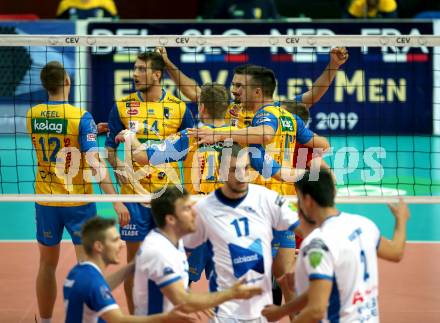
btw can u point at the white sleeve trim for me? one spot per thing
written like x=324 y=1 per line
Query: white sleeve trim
x=108 y=308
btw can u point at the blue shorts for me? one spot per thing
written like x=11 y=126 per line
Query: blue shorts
x=196 y=262
x=282 y=239
x=200 y=259
x=141 y=222
x=51 y=221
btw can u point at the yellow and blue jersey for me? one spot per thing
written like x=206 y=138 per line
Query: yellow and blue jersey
x=152 y=122
x=289 y=129
x=360 y=9
x=201 y=162
x=53 y=126
x=241 y=118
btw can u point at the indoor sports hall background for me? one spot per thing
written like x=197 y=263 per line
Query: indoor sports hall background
x=381 y=116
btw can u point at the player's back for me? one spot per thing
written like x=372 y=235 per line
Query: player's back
x=344 y=250
x=202 y=165
x=283 y=144
x=200 y=162
x=86 y=294
x=54 y=126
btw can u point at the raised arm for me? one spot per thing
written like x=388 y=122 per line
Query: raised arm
x=338 y=56
x=186 y=85
x=393 y=250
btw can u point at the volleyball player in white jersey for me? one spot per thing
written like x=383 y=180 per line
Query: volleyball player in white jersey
x=87 y=293
x=237 y=221
x=336 y=271
x=161 y=274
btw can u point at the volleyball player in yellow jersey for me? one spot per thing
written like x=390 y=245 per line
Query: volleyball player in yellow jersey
x=274 y=128
x=200 y=161
x=241 y=111
x=62 y=135
x=153 y=114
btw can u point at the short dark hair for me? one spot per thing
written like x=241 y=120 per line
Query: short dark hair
x=94 y=230
x=235 y=149
x=166 y=204
x=322 y=190
x=215 y=98
x=299 y=109
x=156 y=59
x=261 y=76
x=52 y=76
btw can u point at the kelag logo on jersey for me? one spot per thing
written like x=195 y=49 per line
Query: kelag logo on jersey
x=245 y=259
x=58 y=126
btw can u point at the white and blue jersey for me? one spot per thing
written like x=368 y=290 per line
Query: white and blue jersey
x=159 y=263
x=86 y=294
x=239 y=234
x=343 y=250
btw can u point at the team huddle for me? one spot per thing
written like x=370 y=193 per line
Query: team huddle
x=244 y=155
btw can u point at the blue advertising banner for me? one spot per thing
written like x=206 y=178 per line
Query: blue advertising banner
x=384 y=90
x=20 y=85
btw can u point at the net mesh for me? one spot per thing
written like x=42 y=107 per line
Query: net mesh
x=378 y=110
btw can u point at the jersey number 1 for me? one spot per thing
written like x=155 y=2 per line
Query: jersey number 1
x=364 y=262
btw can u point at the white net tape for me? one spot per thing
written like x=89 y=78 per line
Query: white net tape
x=220 y=41
x=229 y=42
